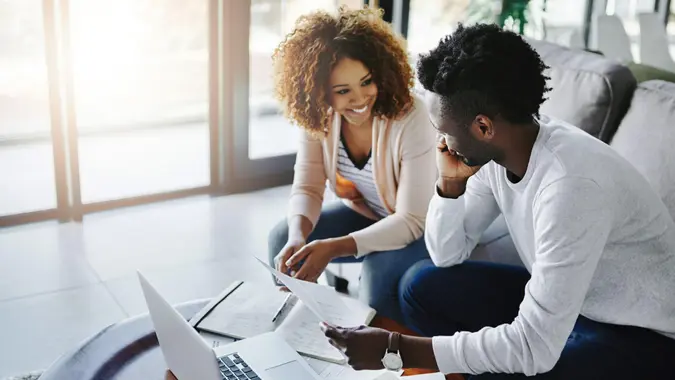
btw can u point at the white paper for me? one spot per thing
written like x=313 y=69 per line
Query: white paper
x=214 y=340
x=331 y=371
x=428 y=376
x=388 y=376
x=301 y=331
x=251 y=317
x=323 y=301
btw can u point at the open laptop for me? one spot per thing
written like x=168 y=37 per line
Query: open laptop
x=264 y=357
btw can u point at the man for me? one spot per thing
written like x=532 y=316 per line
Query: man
x=596 y=298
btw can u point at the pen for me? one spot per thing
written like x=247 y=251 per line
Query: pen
x=282 y=307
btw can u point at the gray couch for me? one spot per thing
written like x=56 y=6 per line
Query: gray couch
x=603 y=98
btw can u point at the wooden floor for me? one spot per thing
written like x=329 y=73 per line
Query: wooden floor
x=390 y=325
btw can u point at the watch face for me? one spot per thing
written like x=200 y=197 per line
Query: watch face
x=392 y=361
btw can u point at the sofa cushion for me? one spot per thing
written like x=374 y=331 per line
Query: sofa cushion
x=589 y=90
x=643 y=73
x=646 y=137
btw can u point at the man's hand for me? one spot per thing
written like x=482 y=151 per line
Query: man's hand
x=453 y=173
x=450 y=165
x=364 y=346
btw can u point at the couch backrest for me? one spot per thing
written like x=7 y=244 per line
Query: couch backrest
x=589 y=90
x=646 y=137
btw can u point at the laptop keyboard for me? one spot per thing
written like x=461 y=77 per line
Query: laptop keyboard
x=233 y=367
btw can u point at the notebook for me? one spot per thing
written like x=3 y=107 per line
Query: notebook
x=246 y=309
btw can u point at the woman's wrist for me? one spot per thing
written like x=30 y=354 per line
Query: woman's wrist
x=342 y=246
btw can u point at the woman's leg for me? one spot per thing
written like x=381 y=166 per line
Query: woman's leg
x=380 y=277
x=336 y=220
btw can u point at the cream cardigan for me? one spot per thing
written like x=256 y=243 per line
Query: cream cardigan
x=404 y=170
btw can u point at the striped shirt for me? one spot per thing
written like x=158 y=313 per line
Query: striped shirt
x=362 y=178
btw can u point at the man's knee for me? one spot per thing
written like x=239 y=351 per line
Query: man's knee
x=415 y=281
x=277 y=238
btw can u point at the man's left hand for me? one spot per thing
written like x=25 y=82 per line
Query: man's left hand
x=364 y=346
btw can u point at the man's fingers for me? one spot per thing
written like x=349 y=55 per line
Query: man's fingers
x=336 y=345
x=334 y=333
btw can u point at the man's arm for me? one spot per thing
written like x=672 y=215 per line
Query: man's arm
x=457 y=217
x=572 y=221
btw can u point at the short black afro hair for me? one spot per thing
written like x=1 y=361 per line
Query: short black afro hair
x=483 y=69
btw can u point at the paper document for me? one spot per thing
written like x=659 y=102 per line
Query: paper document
x=428 y=376
x=301 y=331
x=331 y=371
x=214 y=340
x=323 y=301
x=249 y=312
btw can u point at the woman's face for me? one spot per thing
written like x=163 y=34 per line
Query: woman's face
x=352 y=91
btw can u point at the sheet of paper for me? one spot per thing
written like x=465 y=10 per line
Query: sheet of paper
x=388 y=376
x=332 y=371
x=214 y=340
x=245 y=313
x=323 y=301
x=301 y=331
x=393 y=376
x=428 y=376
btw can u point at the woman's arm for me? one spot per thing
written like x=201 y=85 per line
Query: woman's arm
x=309 y=184
x=415 y=189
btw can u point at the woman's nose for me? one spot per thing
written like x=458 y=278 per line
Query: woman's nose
x=357 y=99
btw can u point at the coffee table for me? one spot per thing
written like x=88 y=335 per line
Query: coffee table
x=129 y=350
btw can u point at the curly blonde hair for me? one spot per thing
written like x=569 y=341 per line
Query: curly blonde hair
x=304 y=60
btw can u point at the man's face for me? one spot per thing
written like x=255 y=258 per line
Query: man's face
x=460 y=138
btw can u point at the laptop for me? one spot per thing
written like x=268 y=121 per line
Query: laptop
x=189 y=357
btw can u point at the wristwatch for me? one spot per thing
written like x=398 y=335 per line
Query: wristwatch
x=392 y=358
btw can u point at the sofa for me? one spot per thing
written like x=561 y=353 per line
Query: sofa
x=603 y=98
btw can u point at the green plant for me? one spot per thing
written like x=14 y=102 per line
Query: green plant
x=505 y=13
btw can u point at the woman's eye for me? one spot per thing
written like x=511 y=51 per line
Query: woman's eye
x=342 y=92
x=367 y=82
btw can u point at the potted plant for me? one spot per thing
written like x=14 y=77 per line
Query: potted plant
x=510 y=14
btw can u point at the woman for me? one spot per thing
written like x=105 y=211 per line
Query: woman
x=346 y=81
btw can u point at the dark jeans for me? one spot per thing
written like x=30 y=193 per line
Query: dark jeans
x=469 y=296
x=381 y=271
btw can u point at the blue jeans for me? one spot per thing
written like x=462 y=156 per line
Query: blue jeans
x=381 y=271
x=472 y=295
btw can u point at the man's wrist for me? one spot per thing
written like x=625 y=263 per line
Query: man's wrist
x=417 y=352
x=451 y=187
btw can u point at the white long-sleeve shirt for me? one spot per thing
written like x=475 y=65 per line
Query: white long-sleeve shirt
x=596 y=238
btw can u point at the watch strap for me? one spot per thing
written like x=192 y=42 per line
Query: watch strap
x=394 y=339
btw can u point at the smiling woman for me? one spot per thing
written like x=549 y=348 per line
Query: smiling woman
x=345 y=80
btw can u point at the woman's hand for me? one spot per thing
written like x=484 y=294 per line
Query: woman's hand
x=316 y=255
x=293 y=246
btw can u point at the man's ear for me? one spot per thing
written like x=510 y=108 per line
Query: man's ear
x=482 y=128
